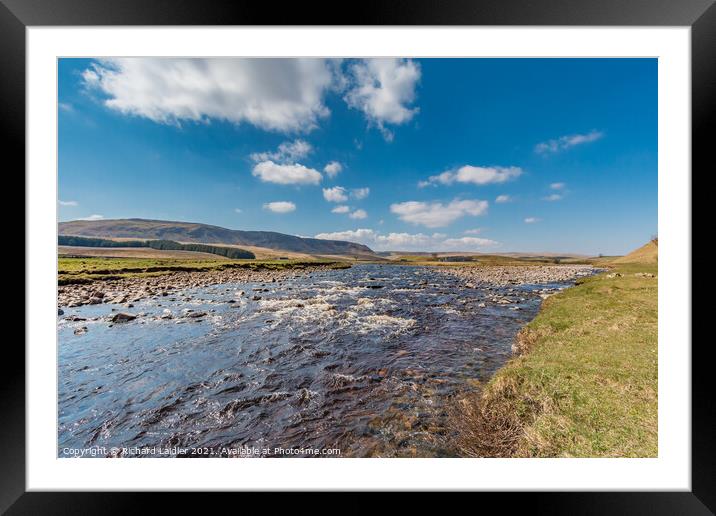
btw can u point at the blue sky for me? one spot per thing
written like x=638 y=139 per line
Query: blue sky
x=556 y=155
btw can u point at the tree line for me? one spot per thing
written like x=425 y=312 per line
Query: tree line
x=167 y=245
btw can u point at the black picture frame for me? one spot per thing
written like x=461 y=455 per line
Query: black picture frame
x=700 y=15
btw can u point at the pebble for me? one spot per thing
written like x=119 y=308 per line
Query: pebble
x=500 y=276
x=130 y=290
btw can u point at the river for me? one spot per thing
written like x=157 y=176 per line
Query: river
x=363 y=360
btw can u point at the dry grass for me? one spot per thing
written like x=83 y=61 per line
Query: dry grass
x=584 y=381
x=264 y=253
x=134 y=252
x=646 y=254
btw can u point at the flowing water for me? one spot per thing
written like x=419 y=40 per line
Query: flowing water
x=364 y=360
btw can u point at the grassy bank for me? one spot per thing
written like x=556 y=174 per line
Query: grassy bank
x=87 y=269
x=585 y=383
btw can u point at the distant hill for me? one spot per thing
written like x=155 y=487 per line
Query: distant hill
x=648 y=253
x=207 y=234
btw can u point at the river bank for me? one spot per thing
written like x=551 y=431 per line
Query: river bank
x=584 y=381
x=126 y=281
x=479 y=276
x=123 y=282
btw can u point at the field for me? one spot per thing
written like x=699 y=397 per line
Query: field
x=261 y=253
x=585 y=383
x=264 y=253
x=133 y=252
x=481 y=260
x=85 y=269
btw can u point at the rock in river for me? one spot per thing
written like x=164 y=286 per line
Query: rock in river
x=123 y=317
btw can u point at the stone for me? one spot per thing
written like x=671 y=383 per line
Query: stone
x=123 y=317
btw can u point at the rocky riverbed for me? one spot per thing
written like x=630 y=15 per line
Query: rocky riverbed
x=126 y=291
x=501 y=276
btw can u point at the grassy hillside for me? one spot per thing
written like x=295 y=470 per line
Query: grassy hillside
x=232 y=252
x=133 y=252
x=261 y=253
x=648 y=253
x=585 y=383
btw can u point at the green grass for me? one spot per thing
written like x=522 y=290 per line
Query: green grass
x=83 y=270
x=586 y=383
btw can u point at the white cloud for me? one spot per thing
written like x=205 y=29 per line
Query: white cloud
x=270 y=172
x=383 y=89
x=287 y=152
x=531 y=220
x=283 y=95
x=445 y=178
x=280 y=206
x=566 y=142
x=343 y=209
x=467 y=244
x=359 y=236
x=64 y=106
x=238 y=210
x=360 y=193
x=558 y=195
x=68 y=203
x=473 y=175
x=332 y=169
x=436 y=214
x=410 y=241
x=475 y=231
x=500 y=199
x=335 y=194
x=92 y=217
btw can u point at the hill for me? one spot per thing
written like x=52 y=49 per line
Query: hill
x=648 y=253
x=193 y=232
